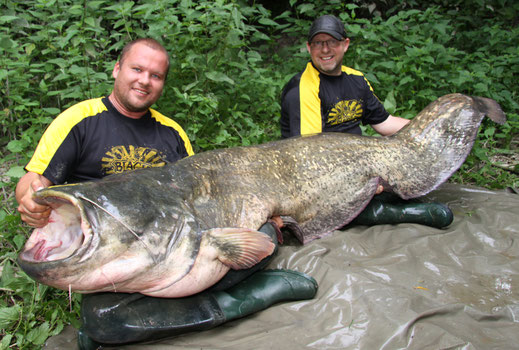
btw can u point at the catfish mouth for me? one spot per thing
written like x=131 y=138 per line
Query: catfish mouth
x=67 y=231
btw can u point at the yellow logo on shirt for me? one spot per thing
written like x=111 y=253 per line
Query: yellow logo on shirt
x=120 y=159
x=344 y=111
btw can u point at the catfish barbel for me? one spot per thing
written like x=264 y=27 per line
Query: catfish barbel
x=176 y=230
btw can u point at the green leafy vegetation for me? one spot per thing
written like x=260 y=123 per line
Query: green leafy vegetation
x=230 y=61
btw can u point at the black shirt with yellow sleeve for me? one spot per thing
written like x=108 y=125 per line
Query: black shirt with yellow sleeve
x=313 y=102
x=92 y=139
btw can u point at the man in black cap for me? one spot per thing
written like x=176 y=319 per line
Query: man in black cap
x=330 y=97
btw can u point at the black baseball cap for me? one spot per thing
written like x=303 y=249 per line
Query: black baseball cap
x=327 y=24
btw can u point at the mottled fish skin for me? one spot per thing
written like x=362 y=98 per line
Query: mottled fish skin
x=321 y=181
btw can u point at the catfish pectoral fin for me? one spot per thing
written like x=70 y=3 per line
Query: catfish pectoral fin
x=240 y=248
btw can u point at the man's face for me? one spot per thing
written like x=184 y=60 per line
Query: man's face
x=327 y=53
x=139 y=78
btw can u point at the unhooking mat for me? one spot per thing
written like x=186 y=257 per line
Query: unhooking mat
x=402 y=286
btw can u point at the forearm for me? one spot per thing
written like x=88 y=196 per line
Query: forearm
x=390 y=126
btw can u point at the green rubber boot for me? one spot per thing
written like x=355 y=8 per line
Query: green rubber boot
x=84 y=342
x=264 y=289
x=119 y=318
x=381 y=212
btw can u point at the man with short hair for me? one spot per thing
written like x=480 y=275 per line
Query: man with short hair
x=330 y=97
x=107 y=135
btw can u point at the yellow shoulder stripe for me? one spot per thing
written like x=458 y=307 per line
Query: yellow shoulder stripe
x=171 y=123
x=58 y=130
x=352 y=71
x=309 y=101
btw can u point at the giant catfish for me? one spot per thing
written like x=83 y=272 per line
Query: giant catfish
x=176 y=230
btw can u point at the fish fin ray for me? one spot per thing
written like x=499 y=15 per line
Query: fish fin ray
x=241 y=248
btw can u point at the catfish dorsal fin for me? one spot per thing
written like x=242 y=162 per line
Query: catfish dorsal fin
x=240 y=248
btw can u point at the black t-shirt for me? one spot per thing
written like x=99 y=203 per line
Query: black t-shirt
x=92 y=139
x=313 y=102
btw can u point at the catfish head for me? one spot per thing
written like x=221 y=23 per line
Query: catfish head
x=119 y=235
x=97 y=242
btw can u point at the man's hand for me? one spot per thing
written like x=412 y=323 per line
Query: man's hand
x=34 y=214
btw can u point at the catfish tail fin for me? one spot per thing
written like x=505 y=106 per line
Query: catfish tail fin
x=490 y=108
x=437 y=141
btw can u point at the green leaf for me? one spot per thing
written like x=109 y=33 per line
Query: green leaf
x=19 y=241
x=6 y=341
x=9 y=315
x=234 y=38
x=405 y=80
x=30 y=48
x=480 y=153
x=16 y=146
x=7 y=275
x=59 y=327
x=38 y=335
x=267 y=22
x=481 y=88
x=7 y=19
x=43 y=86
x=305 y=8
x=390 y=102
x=52 y=111
x=257 y=35
x=94 y=5
x=219 y=77
x=6 y=43
x=387 y=64
x=90 y=21
x=16 y=172
x=490 y=131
